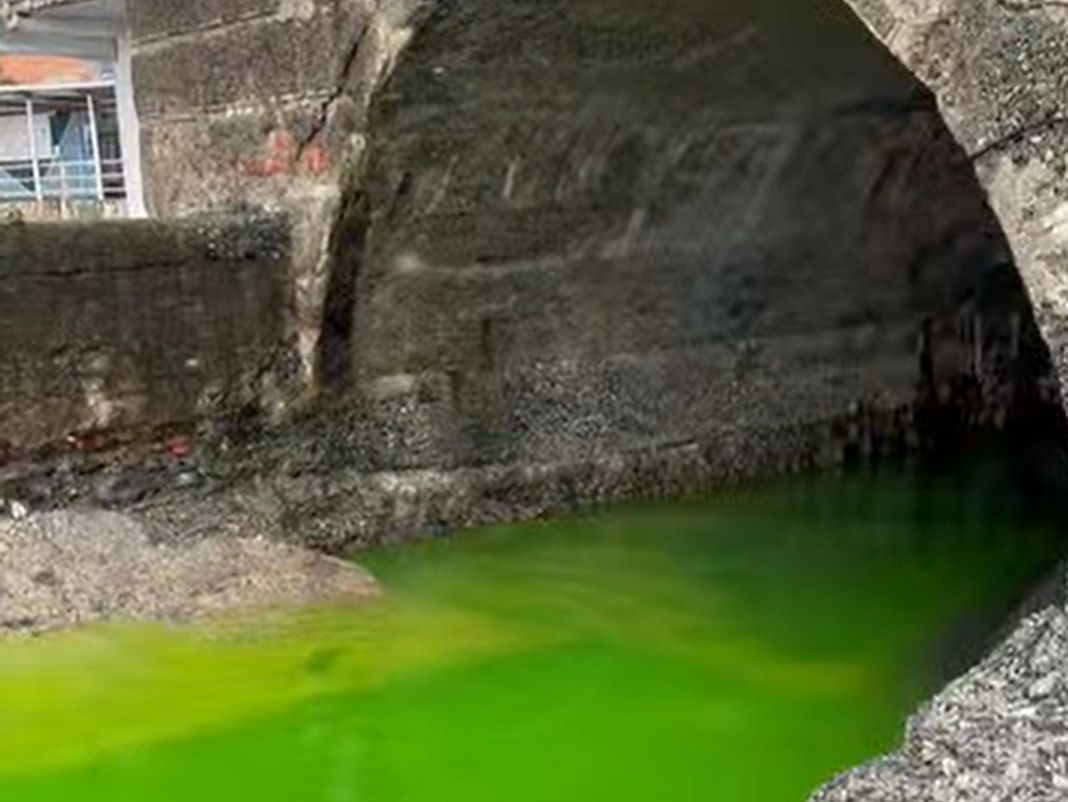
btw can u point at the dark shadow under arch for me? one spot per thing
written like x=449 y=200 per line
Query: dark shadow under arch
x=589 y=226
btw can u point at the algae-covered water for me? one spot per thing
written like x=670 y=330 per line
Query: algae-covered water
x=741 y=647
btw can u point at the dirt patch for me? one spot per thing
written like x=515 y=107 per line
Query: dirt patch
x=69 y=568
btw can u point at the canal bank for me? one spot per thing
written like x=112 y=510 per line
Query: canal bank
x=751 y=643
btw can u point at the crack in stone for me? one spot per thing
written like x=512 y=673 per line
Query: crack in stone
x=1025 y=6
x=1018 y=134
x=322 y=117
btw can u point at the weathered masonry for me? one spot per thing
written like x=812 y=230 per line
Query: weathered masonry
x=127 y=327
x=543 y=252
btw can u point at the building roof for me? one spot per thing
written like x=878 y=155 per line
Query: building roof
x=25 y=69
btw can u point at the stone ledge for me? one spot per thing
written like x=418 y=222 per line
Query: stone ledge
x=349 y=510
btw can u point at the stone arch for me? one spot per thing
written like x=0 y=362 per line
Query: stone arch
x=588 y=227
x=999 y=71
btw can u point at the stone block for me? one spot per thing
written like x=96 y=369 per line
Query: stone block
x=261 y=62
x=132 y=325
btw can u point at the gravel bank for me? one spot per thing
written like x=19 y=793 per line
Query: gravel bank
x=69 y=568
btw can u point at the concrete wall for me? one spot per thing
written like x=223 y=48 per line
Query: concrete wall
x=231 y=95
x=133 y=325
x=260 y=103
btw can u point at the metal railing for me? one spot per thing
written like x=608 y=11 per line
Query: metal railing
x=60 y=146
x=62 y=180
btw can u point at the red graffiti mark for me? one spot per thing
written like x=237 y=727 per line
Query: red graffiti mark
x=265 y=168
x=281 y=145
x=281 y=153
x=316 y=160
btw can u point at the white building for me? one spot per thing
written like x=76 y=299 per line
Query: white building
x=70 y=147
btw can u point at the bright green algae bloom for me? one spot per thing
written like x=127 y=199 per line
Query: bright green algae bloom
x=740 y=647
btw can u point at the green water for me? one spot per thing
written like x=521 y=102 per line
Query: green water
x=742 y=647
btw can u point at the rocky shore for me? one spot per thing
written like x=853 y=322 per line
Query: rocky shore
x=998 y=733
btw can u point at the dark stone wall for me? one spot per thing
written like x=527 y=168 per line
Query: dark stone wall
x=134 y=325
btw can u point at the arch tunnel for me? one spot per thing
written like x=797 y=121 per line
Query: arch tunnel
x=586 y=228
x=643 y=248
